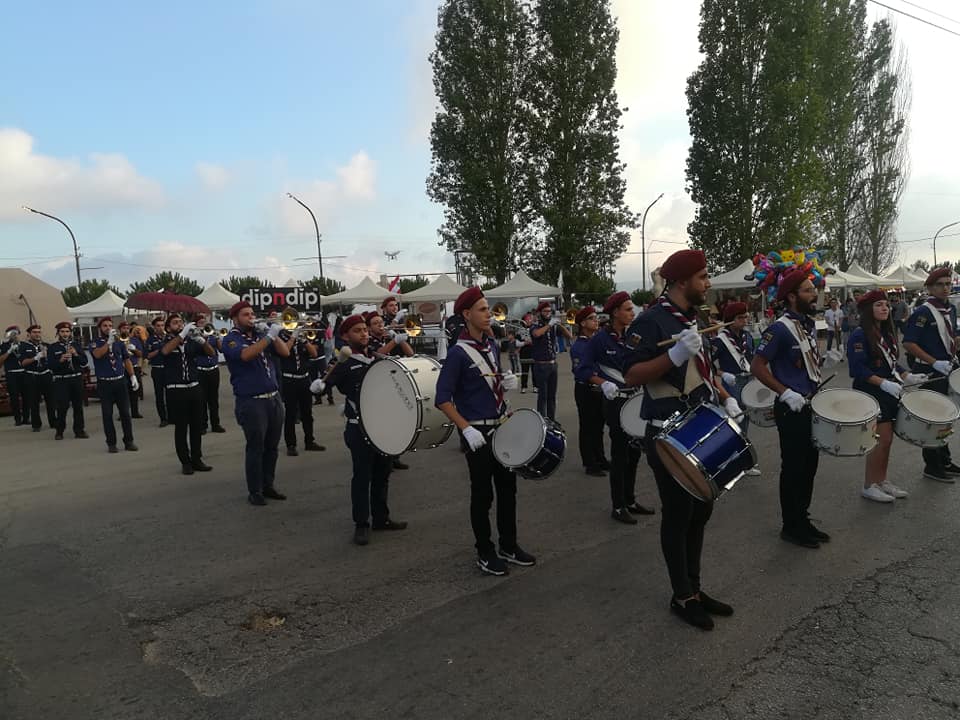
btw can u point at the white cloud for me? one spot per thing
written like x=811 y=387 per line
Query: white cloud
x=358 y=178
x=355 y=183
x=212 y=177
x=104 y=181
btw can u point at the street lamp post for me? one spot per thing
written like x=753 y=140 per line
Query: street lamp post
x=76 y=250
x=315 y=227
x=643 y=241
x=935 y=239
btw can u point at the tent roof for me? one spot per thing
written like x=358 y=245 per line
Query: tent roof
x=734 y=278
x=902 y=276
x=521 y=285
x=21 y=293
x=857 y=269
x=217 y=297
x=367 y=291
x=107 y=304
x=442 y=288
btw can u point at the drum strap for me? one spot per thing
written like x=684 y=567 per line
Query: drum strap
x=808 y=351
x=480 y=361
x=660 y=388
x=737 y=353
x=890 y=357
x=946 y=337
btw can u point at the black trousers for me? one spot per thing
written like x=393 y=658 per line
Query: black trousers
x=40 y=387
x=115 y=393
x=16 y=389
x=798 y=464
x=937 y=458
x=683 y=519
x=545 y=380
x=486 y=474
x=371 y=479
x=136 y=395
x=210 y=395
x=159 y=394
x=526 y=369
x=590 y=417
x=624 y=457
x=262 y=422
x=298 y=405
x=185 y=411
x=69 y=393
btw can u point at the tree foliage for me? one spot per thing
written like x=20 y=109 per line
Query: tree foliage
x=237 y=284
x=168 y=282
x=88 y=290
x=327 y=285
x=410 y=284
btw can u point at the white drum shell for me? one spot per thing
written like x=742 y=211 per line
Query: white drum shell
x=757 y=401
x=519 y=439
x=630 y=421
x=844 y=422
x=953 y=383
x=925 y=418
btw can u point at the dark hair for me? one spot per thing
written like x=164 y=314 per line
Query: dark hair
x=872 y=329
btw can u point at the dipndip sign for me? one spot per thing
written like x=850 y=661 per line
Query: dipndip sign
x=265 y=300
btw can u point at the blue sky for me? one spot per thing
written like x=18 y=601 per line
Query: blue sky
x=167 y=135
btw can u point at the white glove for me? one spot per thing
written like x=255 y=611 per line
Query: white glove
x=134 y=383
x=729 y=379
x=186 y=330
x=400 y=316
x=274 y=331
x=474 y=438
x=912 y=378
x=689 y=343
x=400 y=337
x=200 y=339
x=113 y=335
x=554 y=321
x=509 y=381
x=732 y=408
x=891 y=388
x=318 y=386
x=609 y=389
x=943 y=367
x=793 y=399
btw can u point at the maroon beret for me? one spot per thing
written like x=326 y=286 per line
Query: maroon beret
x=33 y=327
x=349 y=323
x=123 y=324
x=682 y=264
x=389 y=299
x=585 y=313
x=732 y=309
x=62 y=325
x=790 y=281
x=12 y=327
x=871 y=297
x=237 y=307
x=544 y=304
x=615 y=301
x=369 y=316
x=936 y=274
x=104 y=319
x=467 y=299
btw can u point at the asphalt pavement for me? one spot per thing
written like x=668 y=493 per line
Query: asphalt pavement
x=128 y=590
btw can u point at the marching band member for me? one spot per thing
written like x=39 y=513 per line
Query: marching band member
x=525 y=343
x=182 y=386
x=470 y=392
x=788 y=362
x=14 y=374
x=208 y=368
x=872 y=350
x=930 y=337
x=33 y=358
x=387 y=342
x=544 y=353
x=608 y=355
x=135 y=352
x=67 y=360
x=677 y=378
x=257 y=405
x=371 y=470
x=295 y=391
x=153 y=351
x=391 y=312
x=733 y=350
x=588 y=397
x=111 y=363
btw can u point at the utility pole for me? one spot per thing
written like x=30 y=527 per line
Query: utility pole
x=315 y=227
x=76 y=250
x=935 y=239
x=643 y=241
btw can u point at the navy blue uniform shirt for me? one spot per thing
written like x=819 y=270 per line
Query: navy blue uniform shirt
x=179 y=366
x=202 y=360
x=29 y=350
x=56 y=351
x=463 y=383
x=781 y=350
x=582 y=360
x=863 y=362
x=347 y=376
x=545 y=346
x=298 y=363
x=111 y=364
x=155 y=343
x=922 y=330
x=725 y=359
x=11 y=363
x=254 y=377
x=607 y=350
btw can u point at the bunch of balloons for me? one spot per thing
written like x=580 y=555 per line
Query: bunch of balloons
x=769 y=269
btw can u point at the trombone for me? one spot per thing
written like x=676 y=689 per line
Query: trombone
x=499 y=312
x=300 y=324
x=209 y=329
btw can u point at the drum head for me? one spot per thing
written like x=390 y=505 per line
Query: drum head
x=520 y=438
x=389 y=405
x=954 y=382
x=630 y=420
x=845 y=406
x=681 y=467
x=757 y=395
x=930 y=406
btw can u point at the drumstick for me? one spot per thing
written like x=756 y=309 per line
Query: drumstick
x=718 y=326
x=825 y=382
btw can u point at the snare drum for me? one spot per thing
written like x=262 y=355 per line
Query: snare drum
x=630 y=421
x=844 y=422
x=925 y=418
x=953 y=383
x=396 y=405
x=757 y=401
x=705 y=451
x=529 y=444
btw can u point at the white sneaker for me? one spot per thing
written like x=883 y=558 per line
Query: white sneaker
x=875 y=493
x=890 y=489
x=754 y=472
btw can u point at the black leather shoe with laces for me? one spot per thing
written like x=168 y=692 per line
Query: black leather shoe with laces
x=692 y=612
x=623 y=515
x=638 y=509
x=714 y=607
x=391 y=525
x=273 y=494
x=361 y=536
x=816 y=533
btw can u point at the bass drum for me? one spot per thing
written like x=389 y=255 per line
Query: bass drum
x=397 y=413
x=844 y=422
x=529 y=444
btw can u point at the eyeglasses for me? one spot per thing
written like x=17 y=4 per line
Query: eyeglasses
x=943 y=284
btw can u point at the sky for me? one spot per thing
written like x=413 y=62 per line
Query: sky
x=167 y=136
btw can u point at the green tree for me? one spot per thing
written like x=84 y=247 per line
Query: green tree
x=576 y=177
x=88 y=290
x=238 y=284
x=479 y=136
x=642 y=297
x=327 y=286
x=168 y=281
x=920 y=265
x=411 y=284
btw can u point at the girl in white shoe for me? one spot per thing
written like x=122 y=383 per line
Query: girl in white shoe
x=872 y=351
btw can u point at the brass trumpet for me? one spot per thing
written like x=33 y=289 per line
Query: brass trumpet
x=413 y=325
x=499 y=312
x=571 y=318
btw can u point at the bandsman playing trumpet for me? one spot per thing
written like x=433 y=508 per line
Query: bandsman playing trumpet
x=153 y=350
x=295 y=389
x=33 y=358
x=14 y=374
x=208 y=368
x=544 y=334
x=111 y=362
x=67 y=360
x=135 y=351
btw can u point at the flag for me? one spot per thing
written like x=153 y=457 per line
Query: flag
x=394 y=285
x=560 y=282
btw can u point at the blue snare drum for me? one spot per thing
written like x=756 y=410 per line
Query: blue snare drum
x=705 y=451
x=529 y=444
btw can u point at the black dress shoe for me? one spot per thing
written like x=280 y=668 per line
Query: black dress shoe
x=81 y=435
x=138 y=416
x=604 y=464
x=816 y=533
x=203 y=432
x=314 y=447
x=952 y=469
x=693 y=612
x=218 y=429
x=638 y=509
x=163 y=423
x=273 y=494
x=361 y=536
x=186 y=469
x=803 y=540
x=292 y=450
x=714 y=607
x=112 y=449
x=256 y=499
x=595 y=472
x=398 y=465
x=201 y=466
x=391 y=525
x=37 y=429
x=58 y=436
x=130 y=446
x=329 y=401
x=624 y=516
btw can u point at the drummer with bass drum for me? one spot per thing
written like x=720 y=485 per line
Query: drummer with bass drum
x=470 y=392
x=930 y=338
x=872 y=350
x=678 y=377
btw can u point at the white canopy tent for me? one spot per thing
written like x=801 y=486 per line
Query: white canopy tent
x=442 y=288
x=857 y=269
x=734 y=278
x=217 y=297
x=902 y=277
x=367 y=291
x=840 y=279
x=108 y=304
x=522 y=285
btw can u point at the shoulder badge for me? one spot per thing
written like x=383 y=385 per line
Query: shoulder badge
x=232 y=343
x=921 y=320
x=858 y=347
x=634 y=340
x=768 y=336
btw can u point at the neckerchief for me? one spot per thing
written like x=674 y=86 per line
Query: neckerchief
x=738 y=343
x=798 y=324
x=944 y=322
x=483 y=348
x=704 y=366
x=890 y=351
